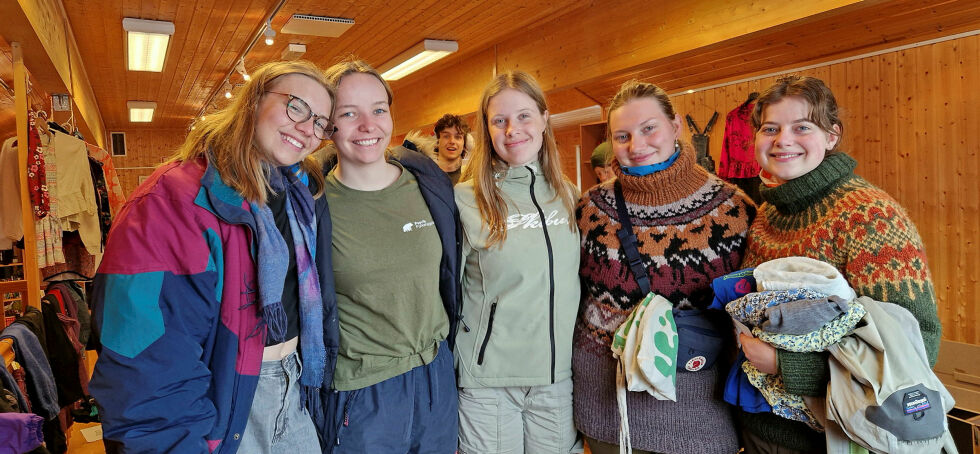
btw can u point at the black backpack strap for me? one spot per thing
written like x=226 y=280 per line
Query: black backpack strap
x=711 y=123
x=692 y=125
x=628 y=239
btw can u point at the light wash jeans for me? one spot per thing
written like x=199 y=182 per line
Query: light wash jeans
x=277 y=422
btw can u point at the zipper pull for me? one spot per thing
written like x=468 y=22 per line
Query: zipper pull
x=466 y=328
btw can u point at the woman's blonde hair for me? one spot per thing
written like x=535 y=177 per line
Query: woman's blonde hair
x=634 y=89
x=227 y=137
x=352 y=65
x=484 y=161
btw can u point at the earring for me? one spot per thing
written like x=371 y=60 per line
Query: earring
x=677 y=145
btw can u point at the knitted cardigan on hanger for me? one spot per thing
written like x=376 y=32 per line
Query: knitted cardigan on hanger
x=691 y=228
x=831 y=214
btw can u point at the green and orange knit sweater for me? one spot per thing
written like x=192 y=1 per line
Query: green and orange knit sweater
x=833 y=215
x=691 y=228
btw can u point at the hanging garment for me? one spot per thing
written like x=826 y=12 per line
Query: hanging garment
x=76 y=192
x=738 y=146
x=700 y=140
x=101 y=199
x=71 y=324
x=9 y=382
x=63 y=355
x=40 y=381
x=20 y=432
x=75 y=305
x=48 y=230
x=21 y=378
x=37 y=163
x=116 y=196
x=11 y=219
x=76 y=258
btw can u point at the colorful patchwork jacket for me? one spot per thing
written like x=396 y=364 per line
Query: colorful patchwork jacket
x=174 y=308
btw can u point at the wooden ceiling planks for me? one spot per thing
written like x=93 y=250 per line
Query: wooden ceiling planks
x=39 y=99
x=886 y=25
x=211 y=34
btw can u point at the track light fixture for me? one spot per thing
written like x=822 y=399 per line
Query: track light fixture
x=270 y=34
x=227 y=89
x=240 y=67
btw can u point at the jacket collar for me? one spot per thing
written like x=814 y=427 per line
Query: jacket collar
x=519 y=174
x=222 y=200
x=426 y=172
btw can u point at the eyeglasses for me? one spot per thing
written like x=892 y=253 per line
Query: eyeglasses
x=299 y=111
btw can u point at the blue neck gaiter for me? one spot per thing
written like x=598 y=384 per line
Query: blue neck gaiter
x=647 y=170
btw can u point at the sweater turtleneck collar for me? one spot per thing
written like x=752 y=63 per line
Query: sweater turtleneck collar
x=680 y=180
x=800 y=193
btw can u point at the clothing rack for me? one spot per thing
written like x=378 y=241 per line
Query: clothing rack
x=30 y=285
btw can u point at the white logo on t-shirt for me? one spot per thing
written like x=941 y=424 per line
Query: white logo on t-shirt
x=533 y=221
x=417 y=225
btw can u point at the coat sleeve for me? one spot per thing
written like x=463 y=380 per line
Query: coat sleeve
x=156 y=305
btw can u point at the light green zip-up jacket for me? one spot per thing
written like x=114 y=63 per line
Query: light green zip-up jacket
x=519 y=300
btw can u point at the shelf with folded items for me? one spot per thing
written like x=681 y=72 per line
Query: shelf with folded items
x=18 y=286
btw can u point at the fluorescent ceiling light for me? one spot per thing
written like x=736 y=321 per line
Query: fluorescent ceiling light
x=419 y=56
x=141 y=111
x=146 y=43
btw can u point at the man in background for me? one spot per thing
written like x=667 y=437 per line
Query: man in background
x=451 y=132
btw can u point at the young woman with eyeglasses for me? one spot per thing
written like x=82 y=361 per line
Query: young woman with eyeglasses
x=210 y=299
x=395 y=253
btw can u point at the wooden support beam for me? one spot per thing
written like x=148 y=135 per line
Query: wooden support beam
x=31 y=272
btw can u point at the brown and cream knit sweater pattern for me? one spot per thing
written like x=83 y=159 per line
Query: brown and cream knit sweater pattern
x=691 y=228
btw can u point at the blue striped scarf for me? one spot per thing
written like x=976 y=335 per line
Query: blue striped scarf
x=273 y=258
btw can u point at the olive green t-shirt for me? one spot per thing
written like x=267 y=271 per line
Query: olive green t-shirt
x=386 y=255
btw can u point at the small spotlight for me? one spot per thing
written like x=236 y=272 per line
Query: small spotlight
x=270 y=34
x=240 y=67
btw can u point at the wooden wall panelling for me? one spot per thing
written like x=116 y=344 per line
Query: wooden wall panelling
x=572 y=49
x=965 y=157
x=677 y=28
x=568 y=139
x=859 y=30
x=910 y=120
x=591 y=135
x=146 y=148
x=455 y=89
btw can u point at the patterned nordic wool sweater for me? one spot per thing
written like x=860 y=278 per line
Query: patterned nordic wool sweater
x=833 y=215
x=691 y=228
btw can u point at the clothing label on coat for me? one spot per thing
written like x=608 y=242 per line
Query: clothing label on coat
x=533 y=221
x=915 y=402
